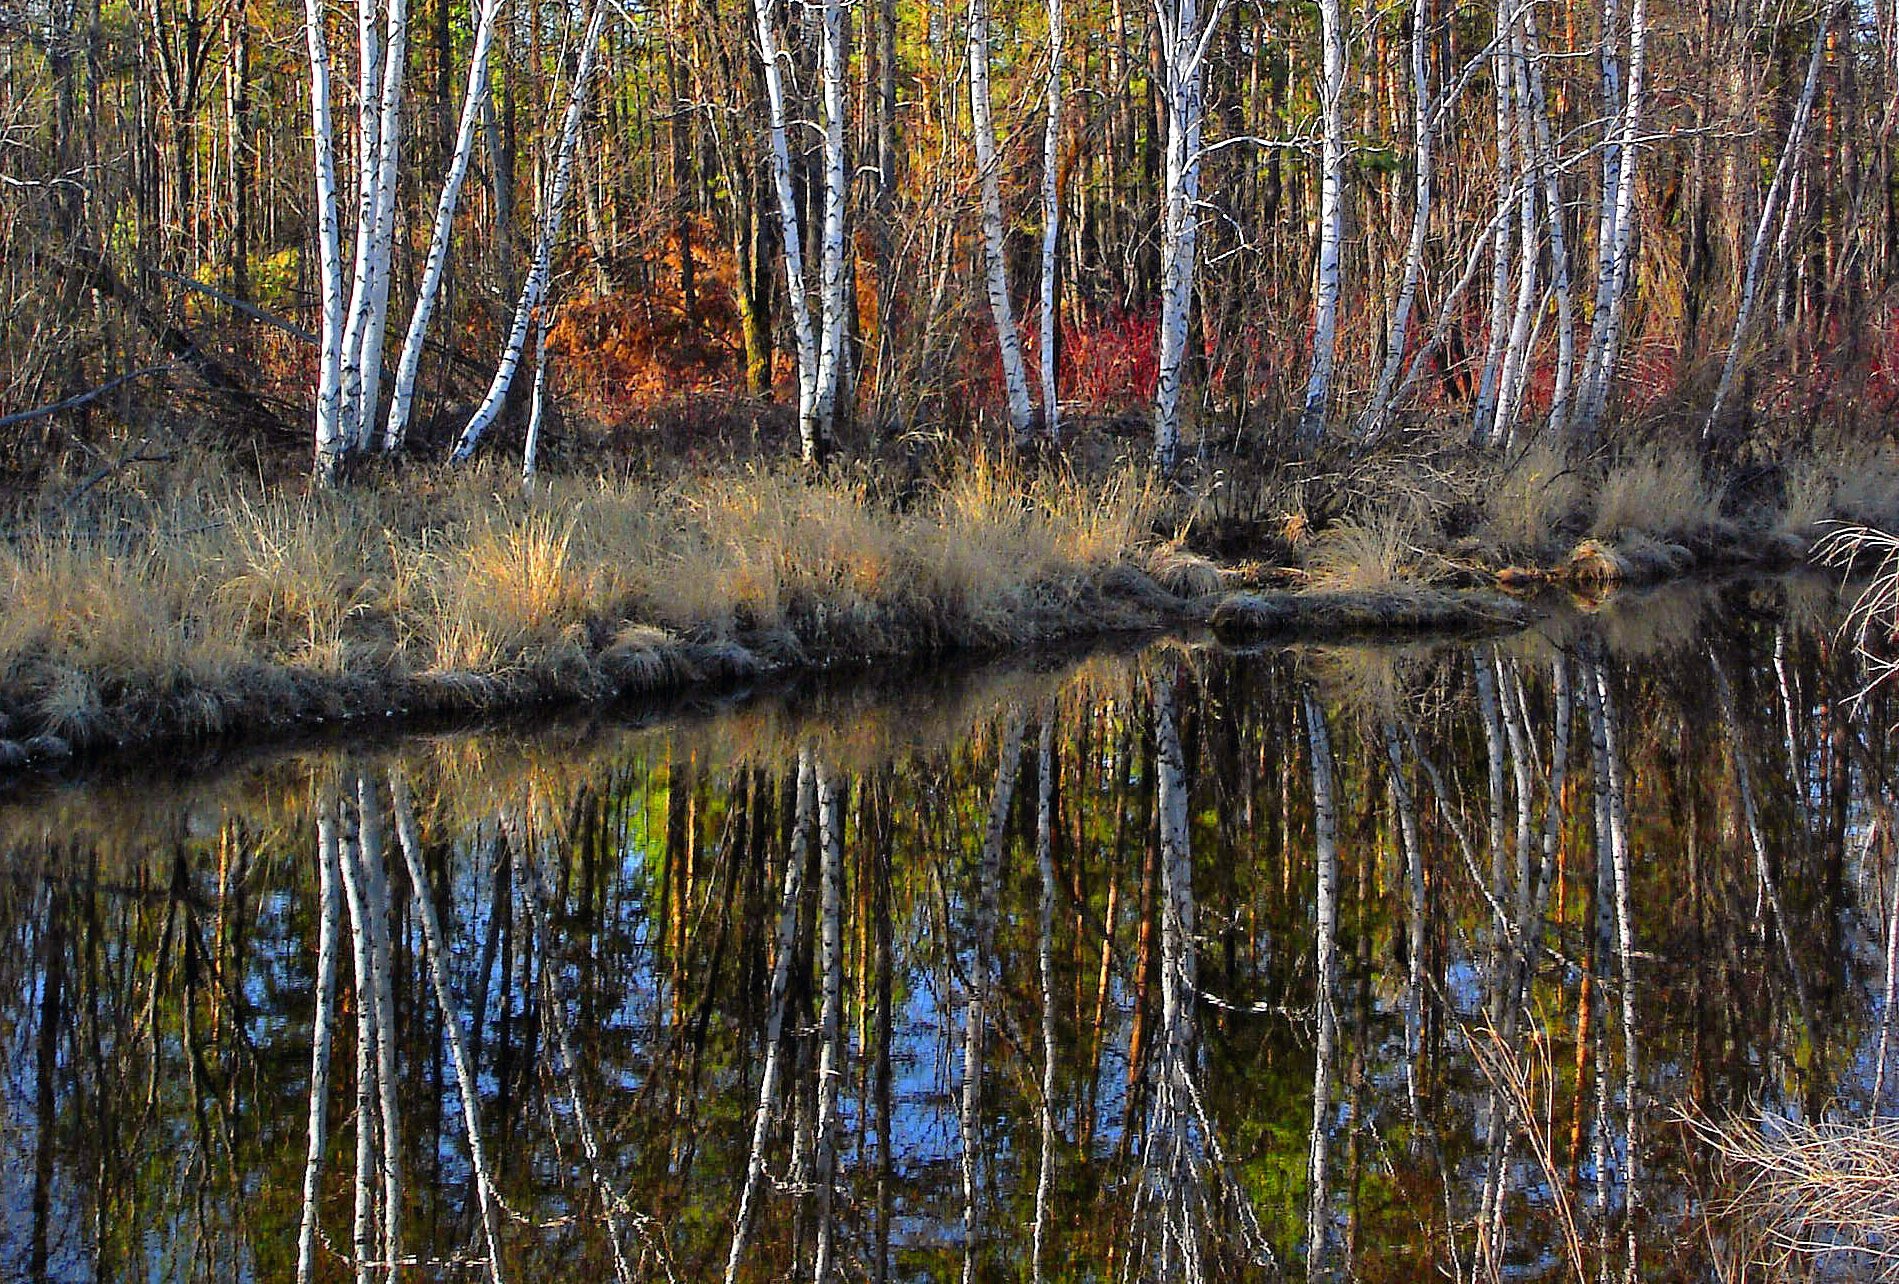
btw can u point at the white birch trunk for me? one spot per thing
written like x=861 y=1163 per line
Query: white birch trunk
x=534 y=291
x=1325 y=825
x=1607 y=205
x=1045 y=960
x=1015 y=377
x=1413 y=850
x=356 y=896
x=1606 y=334
x=785 y=943
x=441 y=239
x=1516 y=351
x=1508 y=190
x=833 y=280
x=830 y=1012
x=1176 y=1164
x=436 y=941
x=1423 y=135
x=329 y=409
x=1757 y=250
x=368 y=171
x=1052 y=227
x=1325 y=306
x=376 y=905
x=1559 y=236
x=328 y=900
x=537 y=407
x=383 y=242
x=1184 y=49
x=975 y=1012
x=790 y=233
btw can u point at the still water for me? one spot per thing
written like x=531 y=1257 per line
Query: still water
x=1371 y=962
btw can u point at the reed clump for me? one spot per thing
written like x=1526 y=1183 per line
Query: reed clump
x=1826 y=1191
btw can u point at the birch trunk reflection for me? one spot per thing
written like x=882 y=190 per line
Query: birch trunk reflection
x=328 y=897
x=975 y=1011
x=803 y=822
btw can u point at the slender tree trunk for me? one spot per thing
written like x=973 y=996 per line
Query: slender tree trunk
x=834 y=275
x=534 y=292
x=1423 y=136
x=435 y=941
x=786 y=943
x=329 y=424
x=442 y=237
x=1184 y=47
x=1325 y=308
x=328 y=900
x=995 y=248
x=975 y=1012
x=1052 y=227
x=1776 y=194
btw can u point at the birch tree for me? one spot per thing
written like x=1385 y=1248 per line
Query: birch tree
x=441 y=237
x=830 y=1012
x=534 y=291
x=1423 y=137
x=995 y=250
x=791 y=235
x=1325 y=305
x=833 y=277
x=1770 y=212
x=1052 y=226
x=1325 y=830
x=322 y=1021
x=1616 y=230
x=435 y=943
x=330 y=443
x=1184 y=43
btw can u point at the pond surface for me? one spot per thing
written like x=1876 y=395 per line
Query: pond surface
x=1345 y=962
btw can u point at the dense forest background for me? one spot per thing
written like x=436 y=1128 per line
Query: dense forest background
x=1385 y=213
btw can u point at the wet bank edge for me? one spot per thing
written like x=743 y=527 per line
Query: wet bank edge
x=262 y=704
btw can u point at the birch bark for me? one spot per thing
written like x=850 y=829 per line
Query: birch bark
x=1605 y=341
x=441 y=238
x=534 y=291
x=995 y=250
x=804 y=337
x=1757 y=250
x=833 y=275
x=1184 y=48
x=1325 y=309
x=1423 y=136
x=409 y=837
x=831 y=1010
x=329 y=422
x=785 y=942
x=1052 y=227
x=321 y=1024
x=1325 y=829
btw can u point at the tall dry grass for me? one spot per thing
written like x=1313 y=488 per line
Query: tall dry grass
x=1823 y=1192
x=196 y=602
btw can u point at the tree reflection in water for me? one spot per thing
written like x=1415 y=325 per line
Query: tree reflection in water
x=1347 y=962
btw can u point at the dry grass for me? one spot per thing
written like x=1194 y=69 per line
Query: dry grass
x=1364 y=555
x=1658 y=492
x=190 y=605
x=1826 y=1192
x=1529 y=506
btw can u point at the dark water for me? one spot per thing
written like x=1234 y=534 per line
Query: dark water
x=1386 y=963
